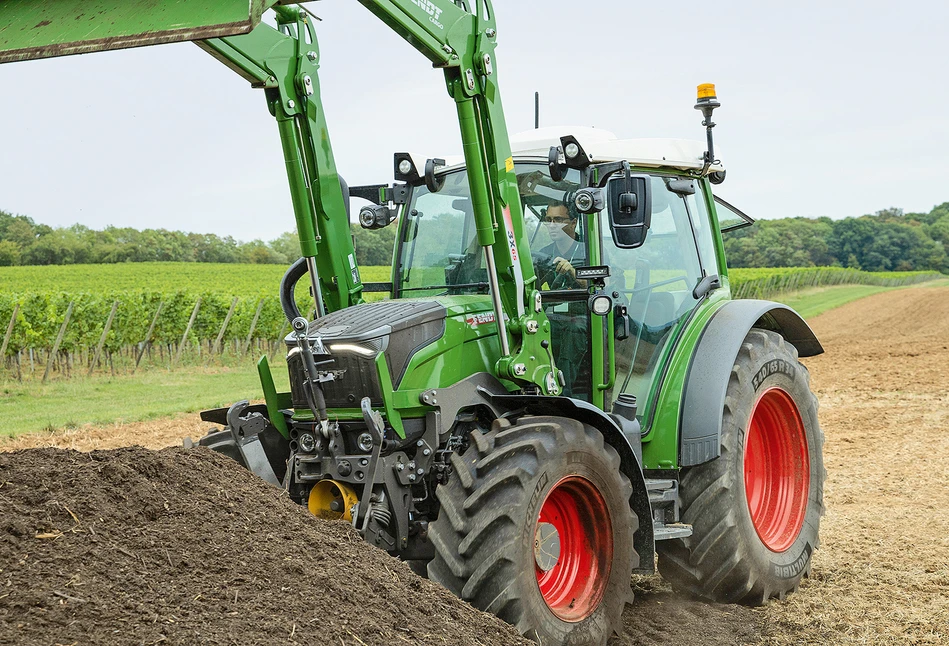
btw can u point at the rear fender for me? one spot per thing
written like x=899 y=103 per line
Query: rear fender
x=700 y=420
x=629 y=462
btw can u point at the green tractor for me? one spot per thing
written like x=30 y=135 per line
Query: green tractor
x=555 y=387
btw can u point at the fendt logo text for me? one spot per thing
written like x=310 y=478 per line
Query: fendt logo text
x=429 y=8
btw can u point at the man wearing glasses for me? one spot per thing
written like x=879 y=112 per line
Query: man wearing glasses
x=555 y=263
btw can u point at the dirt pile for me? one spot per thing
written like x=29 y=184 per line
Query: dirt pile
x=179 y=546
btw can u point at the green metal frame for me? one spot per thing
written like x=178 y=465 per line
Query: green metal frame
x=285 y=65
x=275 y=401
x=30 y=29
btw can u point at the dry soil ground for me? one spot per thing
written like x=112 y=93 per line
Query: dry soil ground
x=882 y=573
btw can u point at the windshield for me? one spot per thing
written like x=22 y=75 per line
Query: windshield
x=438 y=244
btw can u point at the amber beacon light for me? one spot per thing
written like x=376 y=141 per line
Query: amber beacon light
x=706 y=101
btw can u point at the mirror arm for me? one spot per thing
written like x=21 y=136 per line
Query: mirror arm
x=605 y=171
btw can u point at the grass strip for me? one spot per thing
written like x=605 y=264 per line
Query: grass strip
x=148 y=395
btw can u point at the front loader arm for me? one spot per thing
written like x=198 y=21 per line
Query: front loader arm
x=460 y=38
x=286 y=66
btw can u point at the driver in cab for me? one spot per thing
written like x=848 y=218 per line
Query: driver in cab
x=556 y=263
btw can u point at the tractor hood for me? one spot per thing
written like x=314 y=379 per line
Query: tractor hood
x=356 y=335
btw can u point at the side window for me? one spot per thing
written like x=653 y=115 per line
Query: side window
x=703 y=229
x=730 y=218
x=439 y=250
x=655 y=283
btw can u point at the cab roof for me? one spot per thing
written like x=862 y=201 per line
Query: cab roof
x=604 y=146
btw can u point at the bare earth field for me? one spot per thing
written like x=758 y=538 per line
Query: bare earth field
x=881 y=575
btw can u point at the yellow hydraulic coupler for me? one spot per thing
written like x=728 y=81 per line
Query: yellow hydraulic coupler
x=332 y=500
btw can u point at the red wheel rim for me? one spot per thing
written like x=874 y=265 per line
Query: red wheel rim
x=572 y=578
x=777 y=469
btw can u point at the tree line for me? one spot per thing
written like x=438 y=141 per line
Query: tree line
x=26 y=242
x=888 y=240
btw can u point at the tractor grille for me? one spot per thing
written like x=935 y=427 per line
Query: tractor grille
x=360 y=380
x=399 y=328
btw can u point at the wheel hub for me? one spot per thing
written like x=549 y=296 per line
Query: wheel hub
x=777 y=469
x=546 y=546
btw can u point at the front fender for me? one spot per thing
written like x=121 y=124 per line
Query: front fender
x=700 y=420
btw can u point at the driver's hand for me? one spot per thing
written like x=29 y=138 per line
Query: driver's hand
x=562 y=266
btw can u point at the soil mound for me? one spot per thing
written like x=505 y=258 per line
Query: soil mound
x=179 y=546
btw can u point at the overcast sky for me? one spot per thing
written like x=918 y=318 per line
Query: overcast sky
x=834 y=108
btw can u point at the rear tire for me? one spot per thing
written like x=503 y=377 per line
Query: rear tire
x=755 y=510
x=535 y=527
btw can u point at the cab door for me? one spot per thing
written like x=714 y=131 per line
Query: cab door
x=655 y=283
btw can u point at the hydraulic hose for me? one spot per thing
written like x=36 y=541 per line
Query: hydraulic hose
x=287 y=284
x=297 y=270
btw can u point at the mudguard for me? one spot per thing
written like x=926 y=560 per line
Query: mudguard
x=629 y=463
x=700 y=420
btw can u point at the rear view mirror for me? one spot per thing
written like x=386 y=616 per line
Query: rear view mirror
x=630 y=211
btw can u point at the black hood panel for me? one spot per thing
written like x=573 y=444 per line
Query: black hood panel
x=400 y=328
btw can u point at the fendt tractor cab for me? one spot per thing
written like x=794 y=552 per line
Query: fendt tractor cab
x=558 y=386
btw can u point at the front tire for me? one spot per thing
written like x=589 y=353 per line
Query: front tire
x=535 y=526
x=755 y=510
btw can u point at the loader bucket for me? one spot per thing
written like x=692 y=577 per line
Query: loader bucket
x=32 y=29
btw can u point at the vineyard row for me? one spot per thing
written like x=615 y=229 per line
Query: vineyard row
x=769 y=283
x=70 y=333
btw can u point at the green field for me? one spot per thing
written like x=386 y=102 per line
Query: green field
x=147 y=395
x=815 y=301
x=249 y=280
x=159 y=392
